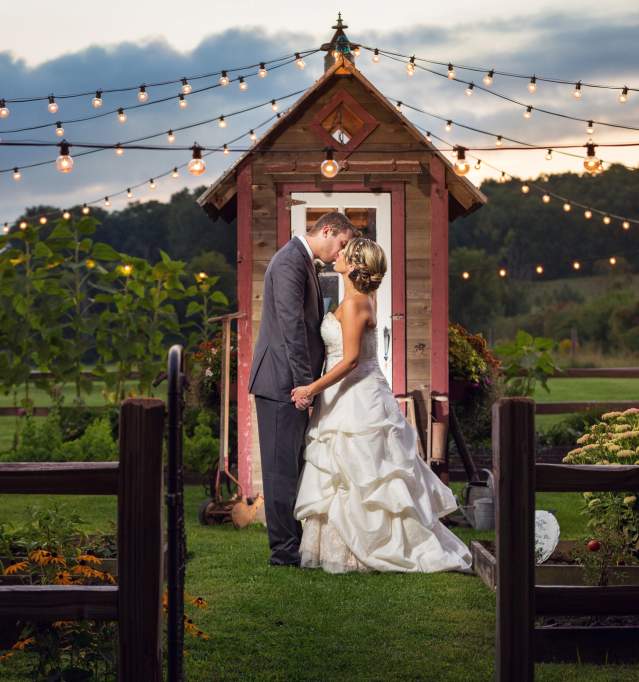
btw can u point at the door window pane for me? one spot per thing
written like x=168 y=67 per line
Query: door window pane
x=365 y=220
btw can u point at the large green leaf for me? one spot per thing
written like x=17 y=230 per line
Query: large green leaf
x=102 y=251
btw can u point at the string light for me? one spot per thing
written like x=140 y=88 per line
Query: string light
x=107 y=203
x=182 y=103
x=96 y=102
x=64 y=162
x=175 y=173
x=577 y=91
x=274 y=105
x=488 y=78
x=329 y=167
x=5 y=228
x=53 y=105
x=466 y=274
x=469 y=89
x=625 y=225
x=478 y=164
x=576 y=265
x=252 y=135
x=532 y=86
x=225 y=150
x=121 y=115
x=119 y=150
x=567 y=207
x=410 y=67
x=525 y=189
x=129 y=193
x=143 y=95
x=196 y=164
x=59 y=130
x=499 y=141
x=607 y=220
x=502 y=272
x=451 y=71
x=546 y=198
x=85 y=209
x=152 y=184
x=612 y=260
x=428 y=137
x=591 y=162
x=623 y=95
x=224 y=79
x=548 y=156
x=356 y=51
x=539 y=269
x=590 y=128
x=24 y=225
x=299 y=62
x=587 y=214
x=4 y=109
x=66 y=215
x=186 y=87
x=221 y=122
x=243 y=84
x=502 y=178
x=461 y=165
x=43 y=220
x=170 y=136
x=375 y=56
x=262 y=72
x=449 y=125
x=528 y=112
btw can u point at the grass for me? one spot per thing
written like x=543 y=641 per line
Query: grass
x=285 y=624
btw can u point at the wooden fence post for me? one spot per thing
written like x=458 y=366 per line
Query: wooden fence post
x=513 y=436
x=140 y=540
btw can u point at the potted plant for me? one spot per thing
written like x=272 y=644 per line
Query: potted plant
x=471 y=365
x=207 y=371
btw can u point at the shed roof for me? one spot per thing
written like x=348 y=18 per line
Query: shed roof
x=467 y=197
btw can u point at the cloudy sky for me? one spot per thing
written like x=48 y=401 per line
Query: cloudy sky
x=83 y=46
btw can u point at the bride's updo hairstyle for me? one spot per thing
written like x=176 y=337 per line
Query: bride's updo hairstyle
x=370 y=263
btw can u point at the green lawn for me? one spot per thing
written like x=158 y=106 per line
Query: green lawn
x=270 y=623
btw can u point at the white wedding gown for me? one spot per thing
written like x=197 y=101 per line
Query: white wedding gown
x=368 y=499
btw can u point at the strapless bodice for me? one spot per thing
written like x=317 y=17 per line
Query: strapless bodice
x=331 y=331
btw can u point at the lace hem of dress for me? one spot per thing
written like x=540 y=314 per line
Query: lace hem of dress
x=323 y=547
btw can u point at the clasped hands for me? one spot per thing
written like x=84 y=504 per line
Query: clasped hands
x=301 y=396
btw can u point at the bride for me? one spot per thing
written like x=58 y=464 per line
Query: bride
x=368 y=500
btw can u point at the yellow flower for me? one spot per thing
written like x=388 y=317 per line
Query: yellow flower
x=89 y=559
x=622 y=427
x=40 y=556
x=610 y=415
x=16 y=568
x=630 y=500
x=625 y=453
x=22 y=644
x=56 y=559
x=583 y=439
x=63 y=578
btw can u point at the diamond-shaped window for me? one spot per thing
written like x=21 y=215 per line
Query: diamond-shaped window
x=343 y=120
x=341 y=136
x=342 y=124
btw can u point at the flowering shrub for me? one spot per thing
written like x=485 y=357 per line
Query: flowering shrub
x=207 y=370
x=613 y=518
x=469 y=358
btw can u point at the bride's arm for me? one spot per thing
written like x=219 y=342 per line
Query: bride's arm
x=355 y=318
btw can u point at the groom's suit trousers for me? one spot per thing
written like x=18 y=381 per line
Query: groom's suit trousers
x=281 y=428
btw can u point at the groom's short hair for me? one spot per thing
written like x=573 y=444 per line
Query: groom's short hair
x=338 y=222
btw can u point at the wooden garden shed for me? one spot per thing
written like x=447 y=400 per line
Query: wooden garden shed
x=392 y=184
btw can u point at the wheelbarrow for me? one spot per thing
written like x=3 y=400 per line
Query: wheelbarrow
x=239 y=509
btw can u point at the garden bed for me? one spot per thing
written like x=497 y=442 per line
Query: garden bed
x=593 y=639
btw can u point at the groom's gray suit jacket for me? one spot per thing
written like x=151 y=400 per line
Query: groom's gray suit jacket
x=289 y=350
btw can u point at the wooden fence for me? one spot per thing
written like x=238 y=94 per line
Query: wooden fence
x=136 y=602
x=519 y=600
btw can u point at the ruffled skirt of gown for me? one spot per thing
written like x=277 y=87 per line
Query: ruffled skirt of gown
x=368 y=500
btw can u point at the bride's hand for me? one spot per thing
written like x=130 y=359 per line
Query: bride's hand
x=302 y=397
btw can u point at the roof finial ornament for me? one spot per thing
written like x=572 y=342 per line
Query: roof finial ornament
x=340 y=47
x=340 y=24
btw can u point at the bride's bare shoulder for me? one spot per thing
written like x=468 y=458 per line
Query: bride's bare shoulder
x=358 y=306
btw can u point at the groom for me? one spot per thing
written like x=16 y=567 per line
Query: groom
x=290 y=353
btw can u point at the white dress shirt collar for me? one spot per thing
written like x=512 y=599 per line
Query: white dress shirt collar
x=306 y=246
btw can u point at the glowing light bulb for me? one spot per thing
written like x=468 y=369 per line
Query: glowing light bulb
x=170 y=136
x=243 y=84
x=126 y=269
x=96 y=102
x=66 y=215
x=143 y=95
x=329 y=167
x=121 y=115
x=591 y=162
x=85 y=209
x=428 y=136
x=53 y=105
x=466 y=274
x=502 y=272
x=576 y=265
x=43 y=220
x=478 y=164
x=59 y=130
x=106 y=201
x=539 y=269
x=448 y=126
x=64 y=162
x=119 y=150
x=503 y=177
x=587 y=214
x=182 y=103
x=23 y=225
x=252 y=135
x=224 y=79
x=451 y=71
x=488 y=78
x=152 y=184
x=532 y=86
x=274 y=105
x=528 y=112
x=4 y=109
x=186 y=87
x=567 y=207
x=375 y=57
x=499 y=141
x=225 y=150
x=129 y=193
x=625 y=225
x=461 y=164
x=590 y=128
x=607 y=220
x=577 y=91
x=221 y=122
x=16 y=174
x=548 y=156
x=398 y=105
x=175 y=173
x=546 y=198
x=410 y=67
x=469 y=89
x=262 y=72
x=196 y=164
x=299 y=62
x=525 y=189
x=612 y=260
x=90 y=263
x=623 y=95
x=5 y=228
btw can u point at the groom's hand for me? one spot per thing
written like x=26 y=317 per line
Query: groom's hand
x=299 y=396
